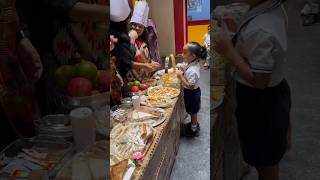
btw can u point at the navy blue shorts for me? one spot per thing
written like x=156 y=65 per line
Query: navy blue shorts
x=263 y=121
x=192 y=100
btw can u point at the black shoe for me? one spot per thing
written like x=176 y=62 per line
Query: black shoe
x=189 y=132
x=310 y=19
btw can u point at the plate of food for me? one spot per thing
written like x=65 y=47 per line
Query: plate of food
x=126 y=139
x=88 y=164
x=161 y=72
x=152 y=116
x=24 y=157
x=170 y=92
x=156 y=101
x=119 y=114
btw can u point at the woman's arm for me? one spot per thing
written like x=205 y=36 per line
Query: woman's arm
x=146 y=66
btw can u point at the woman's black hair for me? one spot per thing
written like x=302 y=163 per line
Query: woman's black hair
x=199 y=51
x=144 y=35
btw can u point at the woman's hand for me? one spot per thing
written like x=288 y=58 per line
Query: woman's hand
x=223 y=40
x=30 y=59
x=133 y=36
x=148 y=67
x=155 y=66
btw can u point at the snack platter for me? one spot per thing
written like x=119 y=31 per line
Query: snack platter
x=156 y=101
x=170 y=92
x=23 y=156
x=121 y=148
x=88 y=164
x=144 y=114
x=139 y=129
x=140 y=170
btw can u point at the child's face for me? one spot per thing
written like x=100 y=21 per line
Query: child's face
x=188 y=56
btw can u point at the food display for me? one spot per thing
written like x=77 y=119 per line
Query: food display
x=156 y=101
x=152 y=116
x=119 y=114
x=25 y=156
x=137 y=87
x=91 y=164
x=173 y=79
x=82 y=79
x=170 y=92
x=127 y=139
x=132 y=129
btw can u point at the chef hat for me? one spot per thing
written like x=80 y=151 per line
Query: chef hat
x=140 y=13
x=119 y=10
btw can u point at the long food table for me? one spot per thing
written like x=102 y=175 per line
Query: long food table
x=160 y=156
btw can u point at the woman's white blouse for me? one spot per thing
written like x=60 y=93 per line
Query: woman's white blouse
x=263 y=45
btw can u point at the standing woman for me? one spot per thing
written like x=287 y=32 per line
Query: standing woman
x=124 y=51
x=20 y=68
x=262 y=93
x=139 y=37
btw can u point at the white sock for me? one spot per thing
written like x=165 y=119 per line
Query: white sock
x=194 y=127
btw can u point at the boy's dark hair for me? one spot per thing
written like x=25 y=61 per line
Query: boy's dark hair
x=199 y=51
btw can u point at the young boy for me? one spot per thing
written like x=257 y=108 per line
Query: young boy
x=190 y=77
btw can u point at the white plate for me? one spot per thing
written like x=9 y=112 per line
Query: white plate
x=164 y=105
x=153 y=123
x=151 y=88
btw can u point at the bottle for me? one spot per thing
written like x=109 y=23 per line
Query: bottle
x=173 y=62
x=165 y=76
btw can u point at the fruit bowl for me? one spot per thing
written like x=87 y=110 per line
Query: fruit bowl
x=139 y=93
x=94 y=101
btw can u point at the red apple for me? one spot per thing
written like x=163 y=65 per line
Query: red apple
x=144 y=87
x=79 y=87
x=134 y=89
x=103 y=81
